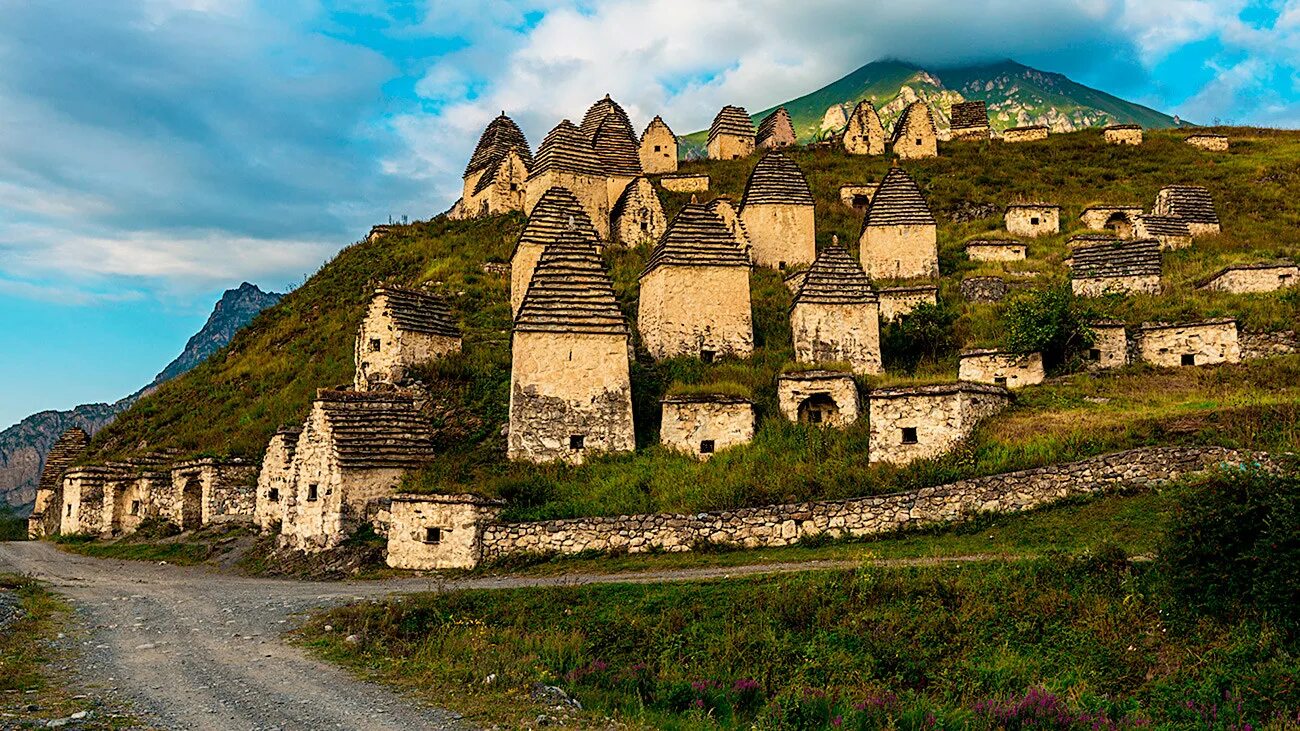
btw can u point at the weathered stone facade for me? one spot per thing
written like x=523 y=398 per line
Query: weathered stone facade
x=207 y=491
x=731 y=136
x=995 y=250
x=638 y=216
x=899 y=238
x=1188 y=344
x=984 y=289
x=133 y=499
x=823 y=398
x=857 y=197
x=896 y=302
x=701 y=425
x=1119 y=267
x=402 y=328
x=47 y=512
x=1242 y=278
x=694 y=298
x=775 y=131
x=915 y=135
x=1209 y=143
x=658 y=148
x=1260 y=344
x=496 y=176
x=1109 y=345
x=1032 y=133
x=835 y=317
x=1191 y=203
x=430 y=532
x=722 y=208
x=1172 y=233
x=1122 y=134
x=1118 y=220
x=1033 y=219
x=920 y=422
x=864 y=134
x=685 y=183
x=275 y=480
x=555 y=213
x=1013 y=370
x=567 y=160
x=83 y=500
x=777 y=211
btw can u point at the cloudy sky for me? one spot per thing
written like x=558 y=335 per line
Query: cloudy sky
x=156 y=152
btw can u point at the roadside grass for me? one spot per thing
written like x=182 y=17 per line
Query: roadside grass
x=1063 y=642
x=153 y=543
x=181 y=554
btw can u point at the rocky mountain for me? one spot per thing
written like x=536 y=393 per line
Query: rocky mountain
x=1016 y=96
x=23 y=446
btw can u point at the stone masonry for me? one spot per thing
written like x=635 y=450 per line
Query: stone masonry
x=915 y=135
x=1013 y=370
x=701 y=425
x=429 y=532
x=835 y=316
x=920 y=422
x=402 y=328
x=1032 y=133
x=898 y=301
x=685 y=183
x=824 y=398
x=777 y=211
x=1188 y=344
x=1119 y=267
x=1209 y=142
x=275 y=479
x=864 y=134
x=46 y=518
x=1243 y=278
x=658 y=148
x=1122 y=134
x=1033 y=219
x=899 y=238
x=994 y=250
x=1109 y=345
x=208 y=491
x=732 y=134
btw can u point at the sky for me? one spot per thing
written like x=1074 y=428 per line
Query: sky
x=154 y=153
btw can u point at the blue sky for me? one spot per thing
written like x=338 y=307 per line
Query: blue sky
x=157 y=152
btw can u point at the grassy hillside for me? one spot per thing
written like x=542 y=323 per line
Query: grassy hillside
x=232 y=403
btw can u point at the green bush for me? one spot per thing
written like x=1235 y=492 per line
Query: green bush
x=926 y=334
x=1049 y=321
x=13 y=527
x=1233 y=548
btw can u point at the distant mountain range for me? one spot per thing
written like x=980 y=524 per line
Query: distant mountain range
x=1016 y=96
x=24 y=445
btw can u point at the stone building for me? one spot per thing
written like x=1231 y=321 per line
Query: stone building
x=857 y=197
x=1172 y=233
x=775 y=131
x=864 y=135
x=402 y=328
x=821 y=398
x=1263 y=277
x=1001 y=368
x=835 y=317
x=83 y=499
x=554 y=213
x=570 y=387
x=1119 y=267
x=495 y=178
x=694 y=299
x=637 y=216
x=1109 y=347
x=994 y=250
x=207 y=491
x=348 y=462
x=703 y=424
x=1122 y=134
x=1033 y=219
x=275 y=479
x=1119 y=220
x=777 y=210
x=1209 y=142
x=431 y=532
x=899 y=236
x=732 y=135
x=567 y=160
x=1188 y=343
x=920 y=422
x=131 y=499
x=610 y=134
x=46 y=518
x=1032 y=133
x=1191 y=203
x=722 y=208
x=970 y=121
x=685 y=183
x=915 y=135
x=896 y=302
x=658 y=148
x=835 y=118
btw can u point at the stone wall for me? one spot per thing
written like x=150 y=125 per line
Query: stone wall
x=427 y=532
x=1109 y=346
x=687 y=310
x=984 y=289
x=1024 y=134
x=82 y=511
x=131 y=500
x=1209 y=143
x=857 y=197
x=207 y=491
x=730 y=147
x=1122 y=136
x=570 y=395
x=522 y=265
x=384 y=351
x=837 y=333
x=918 y=139
x=1114 y=218
x=1268 y=344
x=1254 y=279
x=275 y=480
x=504 y=194
x=592 y=192
x=783 y=525
x=780 y=235
x=1013 y=370
x=1101 y=286
x=1033 y=221
x=658 y=150
x=825 y=398
x=641 y=220
x=863 y=133
x=899 y=252
x=898 y=301
x=921 y=422
x=685 y=183
x=702 y=425
x=995 y=251
x=1202 y=343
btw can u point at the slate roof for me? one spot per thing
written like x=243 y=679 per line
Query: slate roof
x=905 y=119
x=65 y=451
x=1123 y=126
x=570 y=291
x=835 y=278
x=776 y=179
x=1032 y=204
x=731 y=121
x=376 y=430
x=1090 y=238
x=550 y=218
x=992 y=242
x=1163 y=225
x=969 y=115
x=420 y=312
x=500 y=136
x=898 y=202
x=566 y=149
x=657 y=121
x=1192 y=203
x=696 y=237
x=1117 y=259
x=1277 y=264
x=610 y=131
x=776 y=123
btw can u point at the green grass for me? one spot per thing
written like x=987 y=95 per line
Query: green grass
x=13 y=527
x=182 y=554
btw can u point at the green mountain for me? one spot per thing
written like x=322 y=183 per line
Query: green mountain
x=1016 y=96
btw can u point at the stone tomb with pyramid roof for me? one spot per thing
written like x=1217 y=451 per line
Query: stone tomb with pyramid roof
x=658 y=148
x=777 y=210
x=835 y=317
x=775 y=131
x=864 y=135
x=970 y=121
x=899 y=238
x=637 y=217
x=732 y=135
x=549 y=218
x=402 y=328
x=1191 y=203
x=46 y=517
x=495 y=178
x=915 y=135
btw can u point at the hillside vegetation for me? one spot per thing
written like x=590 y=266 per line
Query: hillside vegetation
x=230 y=405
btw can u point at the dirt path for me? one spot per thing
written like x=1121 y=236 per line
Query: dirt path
x=193 y=648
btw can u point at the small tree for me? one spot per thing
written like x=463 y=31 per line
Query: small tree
x=1049 y=321
x=926 y=333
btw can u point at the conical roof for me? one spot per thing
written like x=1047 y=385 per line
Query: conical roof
x=570 y=291
x=696 y=237
x=617 y=147
x=551 y=216
x=566 y=149
x=776 y=179
x=501 y=136
x=905 y=119
x=898 y=202
x=599 y=112
x=418 y=311
x=777 y=124
x=835 y=278
x=731 y=121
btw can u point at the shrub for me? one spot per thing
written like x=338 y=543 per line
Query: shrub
x=1233 y=548
x=1051 y=321
x=924 y=334
x=12 y=526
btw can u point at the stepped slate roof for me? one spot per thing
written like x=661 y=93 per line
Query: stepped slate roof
x=904 y=119
x=376 y=430
x=696 y=237
x=1163 y=225
x=610 y=131
x=566 y=149
x=65 y=451
x=500 y=136
x=657 y=121
x=994 y=242
x=570 y=291
x=1117 y=259
x=1192 y=203
x=551 y=216
x=835 y=278
x=1090 y=238
x=898 y=202
x=776 y=179
x=731 y=121
x=776 y=123
x=969 y=115
x=420 y=312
